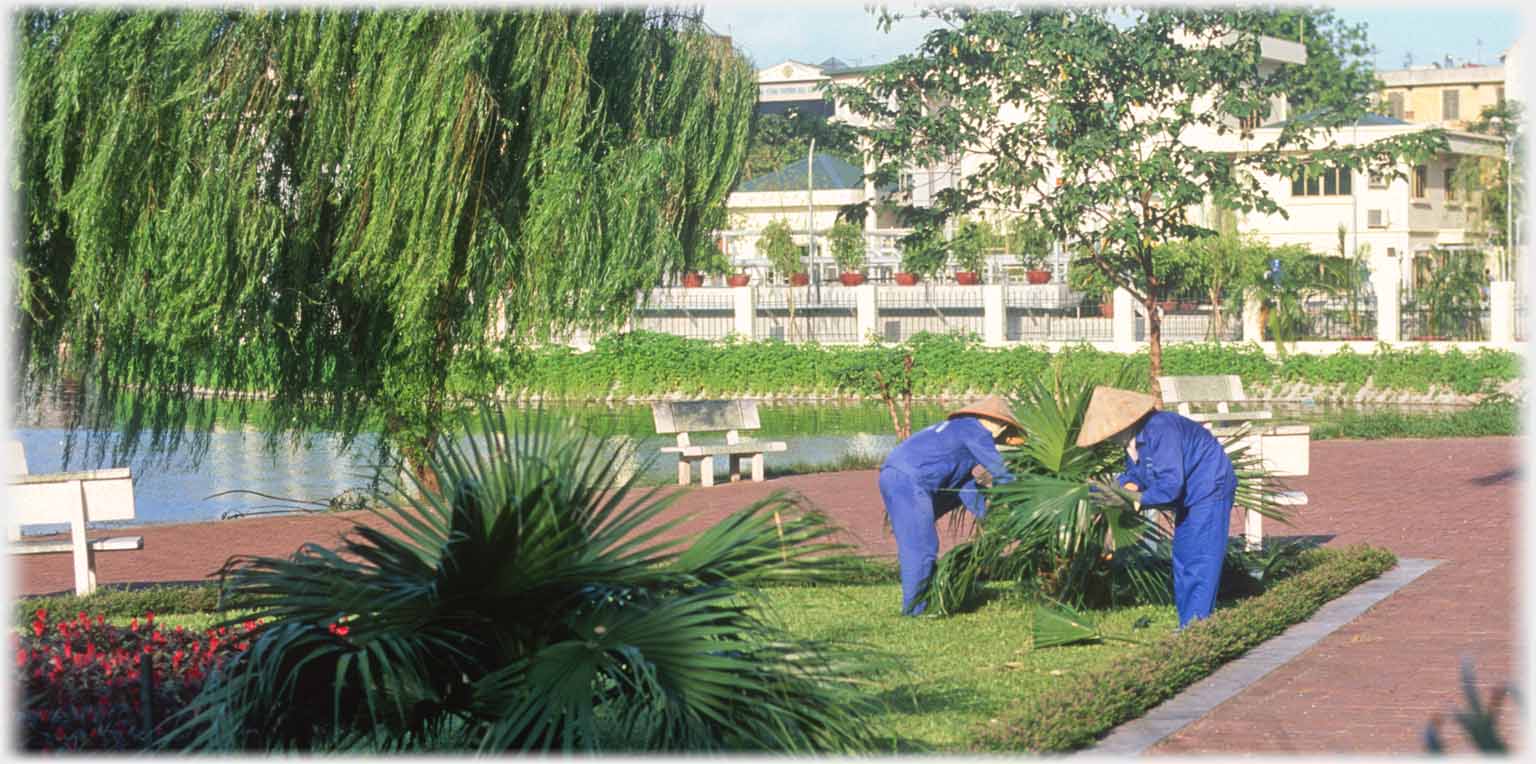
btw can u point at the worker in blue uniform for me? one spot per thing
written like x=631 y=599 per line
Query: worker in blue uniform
x=1172 y=462
x=936 y=470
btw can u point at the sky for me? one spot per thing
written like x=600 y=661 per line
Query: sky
x=814 y=31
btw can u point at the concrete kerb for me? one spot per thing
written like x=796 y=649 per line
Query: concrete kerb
x=1136 y=736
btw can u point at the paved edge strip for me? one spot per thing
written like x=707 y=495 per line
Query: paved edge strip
x=1197 y=700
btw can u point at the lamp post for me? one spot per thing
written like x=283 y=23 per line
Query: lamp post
x=1509 y=208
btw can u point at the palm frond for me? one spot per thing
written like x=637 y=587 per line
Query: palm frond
x=534 y=602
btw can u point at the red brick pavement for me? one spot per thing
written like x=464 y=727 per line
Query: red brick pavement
x=1368 y=688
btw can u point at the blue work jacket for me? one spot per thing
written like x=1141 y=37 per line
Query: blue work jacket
x=939 y=458
x=1178 y=462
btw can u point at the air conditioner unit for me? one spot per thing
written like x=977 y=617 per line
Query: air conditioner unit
x=1376 y=219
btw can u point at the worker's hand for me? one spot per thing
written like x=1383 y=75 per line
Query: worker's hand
x=983 y=478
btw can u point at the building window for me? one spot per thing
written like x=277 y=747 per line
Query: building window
x=1501 y=95
x=1317 y=181
x=1450 y=104
x=1378 y=181
x=1450 y=183
x=1420 y=181
x=1395 y=105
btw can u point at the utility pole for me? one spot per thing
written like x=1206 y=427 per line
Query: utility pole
x=810 y=216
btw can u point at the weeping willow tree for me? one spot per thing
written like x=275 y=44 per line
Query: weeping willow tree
x=334 y=209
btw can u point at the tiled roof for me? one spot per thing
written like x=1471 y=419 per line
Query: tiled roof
x=830 y=173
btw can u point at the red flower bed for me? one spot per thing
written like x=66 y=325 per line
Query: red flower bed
x=83 y=686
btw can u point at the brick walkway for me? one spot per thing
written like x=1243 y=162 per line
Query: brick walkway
x=1368 y=688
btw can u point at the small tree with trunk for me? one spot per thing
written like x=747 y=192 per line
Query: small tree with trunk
x=1102 y=126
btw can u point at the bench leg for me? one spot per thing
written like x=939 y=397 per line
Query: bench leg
x=735 y=468
x=757 y=468
x=1253 y=531
x=707 y=471
x=85 y=558
x=684 y=472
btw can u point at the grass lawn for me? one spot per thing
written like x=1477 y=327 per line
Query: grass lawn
x=956 y=672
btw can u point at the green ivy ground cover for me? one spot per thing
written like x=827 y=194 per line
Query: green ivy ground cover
x=643 y=364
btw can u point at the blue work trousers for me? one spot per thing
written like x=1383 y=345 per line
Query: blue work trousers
x=1199 y=548
x=914 y=511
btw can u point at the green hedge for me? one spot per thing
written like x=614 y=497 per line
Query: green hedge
x=1085 y=706
x=644 y=364
x=113 y=602
x=1492 y=417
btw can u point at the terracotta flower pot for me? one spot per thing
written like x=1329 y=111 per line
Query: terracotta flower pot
x=739 y=279
x=1168 y=306
x=799 y=279
x=1107 y=309
x=906 y=279
x=851 y=279
x=1037 y=277
x=967 y=277
x=693 y=279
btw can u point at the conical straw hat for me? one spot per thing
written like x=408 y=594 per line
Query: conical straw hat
x=991 y=407
x=1110 y=411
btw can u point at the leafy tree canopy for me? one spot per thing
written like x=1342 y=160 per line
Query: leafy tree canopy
x=1101 y=125
x=328 y=207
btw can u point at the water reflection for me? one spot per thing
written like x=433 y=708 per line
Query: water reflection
x=172 y=488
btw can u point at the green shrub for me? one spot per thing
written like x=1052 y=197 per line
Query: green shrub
x=1085 y=706
x=118 y=602
x=647 y=364
x=1494 y=416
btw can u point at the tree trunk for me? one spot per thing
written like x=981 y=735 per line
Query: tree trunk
x=1155 y=344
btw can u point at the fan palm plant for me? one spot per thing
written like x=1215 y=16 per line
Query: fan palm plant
x=535 y=602
x=1063 y=527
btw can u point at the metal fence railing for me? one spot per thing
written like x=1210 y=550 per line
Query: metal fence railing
x=1467 y=325
x=903 y=311
x=1047 y=313
x=1336 y=318
x=826 y=315
x=1194 y=318
x=694 y=313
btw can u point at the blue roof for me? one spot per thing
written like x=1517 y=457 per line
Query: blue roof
x=830 y=172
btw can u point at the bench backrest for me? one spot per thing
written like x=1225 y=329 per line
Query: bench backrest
x=1220 y=390
x=52 y=497
x=704 y=416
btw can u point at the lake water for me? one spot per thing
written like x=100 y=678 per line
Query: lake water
x=175 y=489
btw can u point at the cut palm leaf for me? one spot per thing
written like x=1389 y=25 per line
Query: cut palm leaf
x=1056 y=624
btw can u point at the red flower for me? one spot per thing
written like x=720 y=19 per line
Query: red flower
x=41 y=614
x=149 y=616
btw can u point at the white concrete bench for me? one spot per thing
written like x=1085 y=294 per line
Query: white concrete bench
x=76 y=498
x=687 y=418
x=1284 y=450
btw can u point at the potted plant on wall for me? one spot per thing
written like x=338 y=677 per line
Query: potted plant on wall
x=1083 y=276
x=969 y=249
x=923 y=252
x=1031 y=244
x=777 y=245
x=850 y=252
